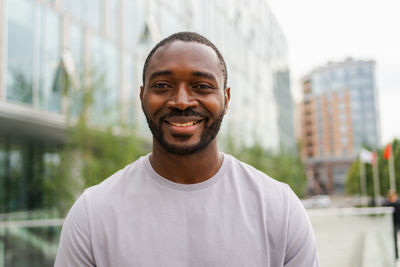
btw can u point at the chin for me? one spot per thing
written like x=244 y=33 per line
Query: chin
x=182 y=149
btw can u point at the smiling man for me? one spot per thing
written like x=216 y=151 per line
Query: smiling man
x=187 y=203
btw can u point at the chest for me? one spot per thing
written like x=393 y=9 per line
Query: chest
x=183 y=230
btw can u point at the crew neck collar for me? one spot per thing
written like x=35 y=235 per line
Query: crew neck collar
x=185 y=187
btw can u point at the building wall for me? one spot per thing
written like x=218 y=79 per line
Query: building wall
x=339 y=115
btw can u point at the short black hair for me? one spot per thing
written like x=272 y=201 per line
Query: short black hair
x=187 y=37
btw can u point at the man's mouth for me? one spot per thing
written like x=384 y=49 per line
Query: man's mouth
x=183 y=121
x=185 y=124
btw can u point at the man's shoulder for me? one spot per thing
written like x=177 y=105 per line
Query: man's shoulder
x=251 y=174
x=115 y=183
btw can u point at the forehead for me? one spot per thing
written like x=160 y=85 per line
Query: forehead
x=185 y=56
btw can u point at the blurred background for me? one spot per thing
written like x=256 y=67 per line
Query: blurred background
x=314 y=103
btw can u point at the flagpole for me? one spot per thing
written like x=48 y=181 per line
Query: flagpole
x=376 y=181
x=391 y=174
x=363 y=183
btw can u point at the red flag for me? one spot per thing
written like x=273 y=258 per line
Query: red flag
x=388 y=152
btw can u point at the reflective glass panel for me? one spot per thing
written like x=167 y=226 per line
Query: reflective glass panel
x=76 y=45
x=134 y=26
x=49 y=41
x=19 y=51
x=113 y=18
x=93 y=13
x=75 y=7
x=131 y=93
x=76 y=48
x=105 y=64
x=170 y=24
x=128 y=20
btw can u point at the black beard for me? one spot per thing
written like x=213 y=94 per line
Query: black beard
x=208 y=134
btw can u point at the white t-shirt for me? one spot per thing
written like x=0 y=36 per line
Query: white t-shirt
x=239 y=217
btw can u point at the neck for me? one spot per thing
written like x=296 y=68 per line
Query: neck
x=186 y=169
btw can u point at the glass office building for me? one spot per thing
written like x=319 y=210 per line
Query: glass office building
x=44 y=41
x=340 y=114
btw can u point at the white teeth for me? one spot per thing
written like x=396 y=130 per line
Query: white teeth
x=182 y=124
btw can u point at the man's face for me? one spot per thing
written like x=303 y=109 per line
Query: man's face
x=183 y=98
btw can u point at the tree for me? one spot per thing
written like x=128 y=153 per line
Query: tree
x=287 y=168
x=92 y=152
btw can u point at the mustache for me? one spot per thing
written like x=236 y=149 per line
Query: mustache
x=184 y=113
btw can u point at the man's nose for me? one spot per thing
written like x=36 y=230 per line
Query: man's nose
x=182 y=98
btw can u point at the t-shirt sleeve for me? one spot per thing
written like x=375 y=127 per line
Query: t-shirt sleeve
x=300 y=249
x=75 y=248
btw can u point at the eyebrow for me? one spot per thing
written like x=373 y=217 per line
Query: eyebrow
x=204 y=75
x=196 y=73
x=160 y=73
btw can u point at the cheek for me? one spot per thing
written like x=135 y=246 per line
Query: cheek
x=152 y=103
x=214 y=105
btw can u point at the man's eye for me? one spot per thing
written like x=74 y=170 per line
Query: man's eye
x=161 y=85
x=203 y=86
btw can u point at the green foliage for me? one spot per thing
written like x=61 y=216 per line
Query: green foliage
x=353 y=176
x=20 y=89
x=287 y=168
x=94 y=152
x=102 y=152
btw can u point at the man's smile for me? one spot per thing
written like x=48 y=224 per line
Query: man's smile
x=183 y=121
x=183 y=124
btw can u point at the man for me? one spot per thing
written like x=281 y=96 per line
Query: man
x=186 y=203
x=393 y=201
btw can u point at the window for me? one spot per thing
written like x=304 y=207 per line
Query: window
x=344 y=141
x=129 y=25
x=170 y=23
x=131 y=92
x=343 y=128
x=20 y=51
x=49 y=50
x=93 y=15
x=105 y=67
x=76 y=48
x=76 y=8
x=113 y=18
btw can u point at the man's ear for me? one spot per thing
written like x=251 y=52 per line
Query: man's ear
x=227 y=97
x=141 y=93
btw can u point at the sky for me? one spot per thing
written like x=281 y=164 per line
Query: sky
x=319 y=31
